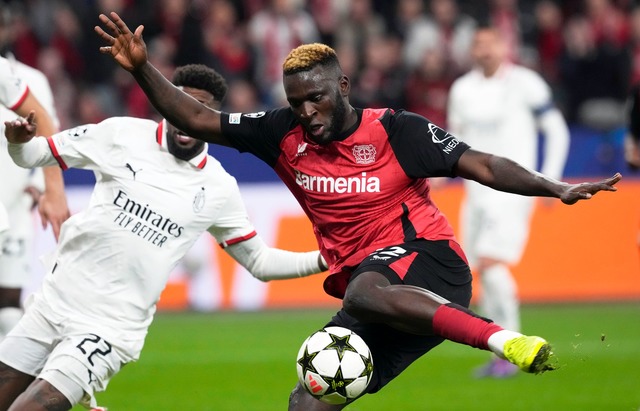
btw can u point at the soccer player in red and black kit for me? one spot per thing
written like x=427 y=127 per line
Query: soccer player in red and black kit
x=361 y=175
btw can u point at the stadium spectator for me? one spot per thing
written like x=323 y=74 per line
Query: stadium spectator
x=361 y=23
x=272 y=33
x=548 y=41
x=24 y=89
x=381 y=80
x=428 y=87
x=157 y=190
x=226 y=42
x=499 y=108
x=446 y=29
x=594 y=78
x=634 y=46
x=403 y=279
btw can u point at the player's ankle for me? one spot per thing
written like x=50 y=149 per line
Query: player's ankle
x=498 y=339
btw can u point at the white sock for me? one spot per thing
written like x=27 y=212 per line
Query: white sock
x=497 y=340
x=499 y=300
x=9 y=317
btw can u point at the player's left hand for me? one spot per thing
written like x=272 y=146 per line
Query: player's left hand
x=53 y=209
x=584 y=191
x=127 y=48
x=21 y=130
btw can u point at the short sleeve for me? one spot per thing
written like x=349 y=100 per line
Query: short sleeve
x=232 y=224
x=422 y=148
x=13 y=89
x=258 y=133
x=537 y=93
x=84 y=146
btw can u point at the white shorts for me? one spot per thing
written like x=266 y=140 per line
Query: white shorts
x=16 y=249
x=497 y=229
x=60 y=355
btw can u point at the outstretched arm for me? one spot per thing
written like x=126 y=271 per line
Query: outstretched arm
x=183 y=111
x=505 y=175
x=266 y=263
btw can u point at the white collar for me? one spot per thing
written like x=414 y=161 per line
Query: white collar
x=198 y=161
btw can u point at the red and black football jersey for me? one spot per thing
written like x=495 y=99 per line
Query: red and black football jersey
x=369 y=189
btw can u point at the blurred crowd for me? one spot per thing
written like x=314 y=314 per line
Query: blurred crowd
x=399 y=54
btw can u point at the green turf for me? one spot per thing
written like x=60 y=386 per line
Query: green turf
x=246 y=361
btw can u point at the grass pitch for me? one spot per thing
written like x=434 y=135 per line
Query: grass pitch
x=246 y=361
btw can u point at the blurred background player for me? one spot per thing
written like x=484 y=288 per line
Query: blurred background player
x=156 y=191
x=24 y=89
x=632 y=137
x=499 y=107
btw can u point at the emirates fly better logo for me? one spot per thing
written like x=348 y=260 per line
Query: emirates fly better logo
x=364 y=153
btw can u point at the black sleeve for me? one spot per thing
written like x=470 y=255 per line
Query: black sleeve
x=422 y=148
x=258 y=133
x=633 y=113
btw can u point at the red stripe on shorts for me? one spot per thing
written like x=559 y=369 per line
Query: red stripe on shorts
x=456 y=247
x=402 y=265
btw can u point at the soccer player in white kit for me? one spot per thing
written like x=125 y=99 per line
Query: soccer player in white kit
x=156 y=191
x=499 y=107
x=23 y=89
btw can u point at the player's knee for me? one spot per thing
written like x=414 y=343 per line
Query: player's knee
x=365 y=295
x=10 y=297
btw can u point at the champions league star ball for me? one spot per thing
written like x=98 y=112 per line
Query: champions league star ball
x=334 y=365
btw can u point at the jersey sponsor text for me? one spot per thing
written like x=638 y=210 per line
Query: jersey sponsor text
x=327 y=184
x=157 y=226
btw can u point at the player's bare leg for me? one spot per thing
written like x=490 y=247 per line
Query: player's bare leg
x=41 y=396
x=10 y=310
x=371 y=298
x=12 y=384
x=301 y=400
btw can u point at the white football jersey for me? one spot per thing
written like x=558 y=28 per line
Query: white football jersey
x=146 y=210
x=497 y=115
x=16 y=78
x=13 y=91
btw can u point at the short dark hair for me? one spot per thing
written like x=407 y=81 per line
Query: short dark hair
x=308 y=56
x=203 y=78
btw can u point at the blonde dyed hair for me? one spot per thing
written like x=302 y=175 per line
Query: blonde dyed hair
x=307 y=56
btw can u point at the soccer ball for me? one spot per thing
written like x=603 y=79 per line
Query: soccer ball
x=334 y=365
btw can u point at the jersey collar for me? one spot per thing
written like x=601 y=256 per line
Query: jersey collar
x=199 y=161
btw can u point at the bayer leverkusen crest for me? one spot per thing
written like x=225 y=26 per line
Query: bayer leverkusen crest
x=364 y=154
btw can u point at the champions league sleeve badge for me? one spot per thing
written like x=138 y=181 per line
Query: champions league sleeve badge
x=77 y=132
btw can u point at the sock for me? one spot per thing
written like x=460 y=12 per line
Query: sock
x=500 y=297
x=458 y=324
x=9 y=317
x=497 y=340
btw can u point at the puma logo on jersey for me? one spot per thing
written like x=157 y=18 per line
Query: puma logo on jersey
x=134 y=172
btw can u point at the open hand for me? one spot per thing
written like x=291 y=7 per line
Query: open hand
x=127 y=48
x=21 y=130
x=584 y=191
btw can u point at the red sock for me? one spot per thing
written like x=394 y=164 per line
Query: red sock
x=456 y=323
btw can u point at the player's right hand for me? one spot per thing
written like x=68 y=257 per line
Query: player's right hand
x=21 y=130
x=127 y=48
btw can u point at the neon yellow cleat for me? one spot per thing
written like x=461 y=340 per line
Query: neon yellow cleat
x=531 y=354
